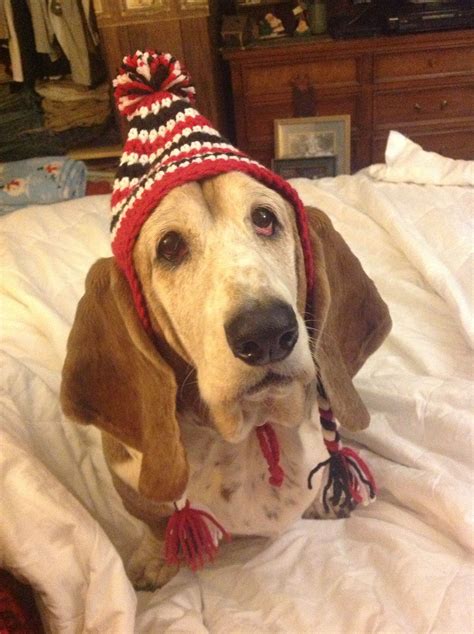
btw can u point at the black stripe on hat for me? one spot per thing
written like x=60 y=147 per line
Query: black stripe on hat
x=153 y=121
x=136 y=170
x=200 y=137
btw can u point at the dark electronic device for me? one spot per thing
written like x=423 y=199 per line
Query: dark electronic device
x=403 y=16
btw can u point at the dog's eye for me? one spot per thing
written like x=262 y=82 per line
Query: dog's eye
x=172 y=247
x=264 y=221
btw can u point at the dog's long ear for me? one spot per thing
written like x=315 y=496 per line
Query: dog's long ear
x=114 y=378
x=354 y=322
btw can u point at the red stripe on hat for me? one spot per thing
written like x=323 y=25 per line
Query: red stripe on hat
x=120 y=194
x=148 y=147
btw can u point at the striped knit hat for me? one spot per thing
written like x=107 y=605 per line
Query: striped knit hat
x=170 y=143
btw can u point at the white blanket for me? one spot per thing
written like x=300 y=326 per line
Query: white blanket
x=408 y=162
x=400 y=565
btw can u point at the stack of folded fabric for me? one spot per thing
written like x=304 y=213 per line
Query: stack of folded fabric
x=22 y=133
x=40 y=180
x=25 y=131
x=69 y=105
x=19 y=113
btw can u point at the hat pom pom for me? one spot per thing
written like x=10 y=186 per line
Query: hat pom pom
x=148 y=77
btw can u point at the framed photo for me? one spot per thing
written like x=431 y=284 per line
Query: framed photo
x=194 y=5
x=142 y=5
x=316 y=167
x=309 y=137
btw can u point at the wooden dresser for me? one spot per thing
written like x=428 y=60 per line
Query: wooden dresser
x=421 y=85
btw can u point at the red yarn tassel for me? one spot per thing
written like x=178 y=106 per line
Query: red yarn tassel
x=271 y=451
x=189 y=538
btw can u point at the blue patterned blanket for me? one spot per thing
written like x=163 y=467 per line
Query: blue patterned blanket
x=47 y=179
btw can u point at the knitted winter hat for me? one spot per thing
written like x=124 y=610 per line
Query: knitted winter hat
x=170 y=143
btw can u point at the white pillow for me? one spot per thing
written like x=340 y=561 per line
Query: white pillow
x=407 y=162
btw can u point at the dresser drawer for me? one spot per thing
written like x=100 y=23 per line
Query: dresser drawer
x=260 y=116
x=279 y=79
x=419 y=64
x=417 y=106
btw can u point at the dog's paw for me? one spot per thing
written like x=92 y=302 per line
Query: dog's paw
x=146 y=568
x=150 y=574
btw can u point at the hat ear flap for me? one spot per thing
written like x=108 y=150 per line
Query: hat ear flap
x=114 y=378
x=351 y=319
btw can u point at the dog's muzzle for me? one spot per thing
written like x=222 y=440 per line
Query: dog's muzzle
x=263 y=333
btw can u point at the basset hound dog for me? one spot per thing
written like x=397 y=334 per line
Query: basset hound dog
x=228 y=347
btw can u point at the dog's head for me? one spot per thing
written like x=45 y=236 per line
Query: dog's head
x=221 y=269
x=220 y=265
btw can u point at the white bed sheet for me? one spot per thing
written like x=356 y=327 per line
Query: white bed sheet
x=403 y=564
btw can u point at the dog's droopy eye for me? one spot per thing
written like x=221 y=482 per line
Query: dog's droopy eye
x=172 y=247
x=264 y=221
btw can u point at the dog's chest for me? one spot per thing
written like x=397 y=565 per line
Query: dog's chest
x=232 y=481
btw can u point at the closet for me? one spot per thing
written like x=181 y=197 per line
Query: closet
x=54 y=90
x=58 y=58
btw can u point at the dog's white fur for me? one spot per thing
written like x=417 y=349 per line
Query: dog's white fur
x=231 y=482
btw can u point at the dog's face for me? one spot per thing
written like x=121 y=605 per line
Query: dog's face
x=221 y=268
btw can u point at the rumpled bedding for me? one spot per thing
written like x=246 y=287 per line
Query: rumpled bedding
x=40 y=180
x=408 y=162
x=403 y=564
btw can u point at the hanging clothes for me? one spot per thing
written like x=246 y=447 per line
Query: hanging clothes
x=52 y=37
x=45 y=41
x=13 y=44
x=72 y=24
x=30 y=62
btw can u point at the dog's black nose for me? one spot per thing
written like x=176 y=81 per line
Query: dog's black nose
x=263 y=334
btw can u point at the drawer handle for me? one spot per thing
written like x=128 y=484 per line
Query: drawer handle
x=300 y=81
x=443 y=104
x=417 y=107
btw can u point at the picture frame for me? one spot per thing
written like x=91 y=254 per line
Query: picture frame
x=310 y=137
x=142 y=5
x=201 y=6
x=313 y=167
